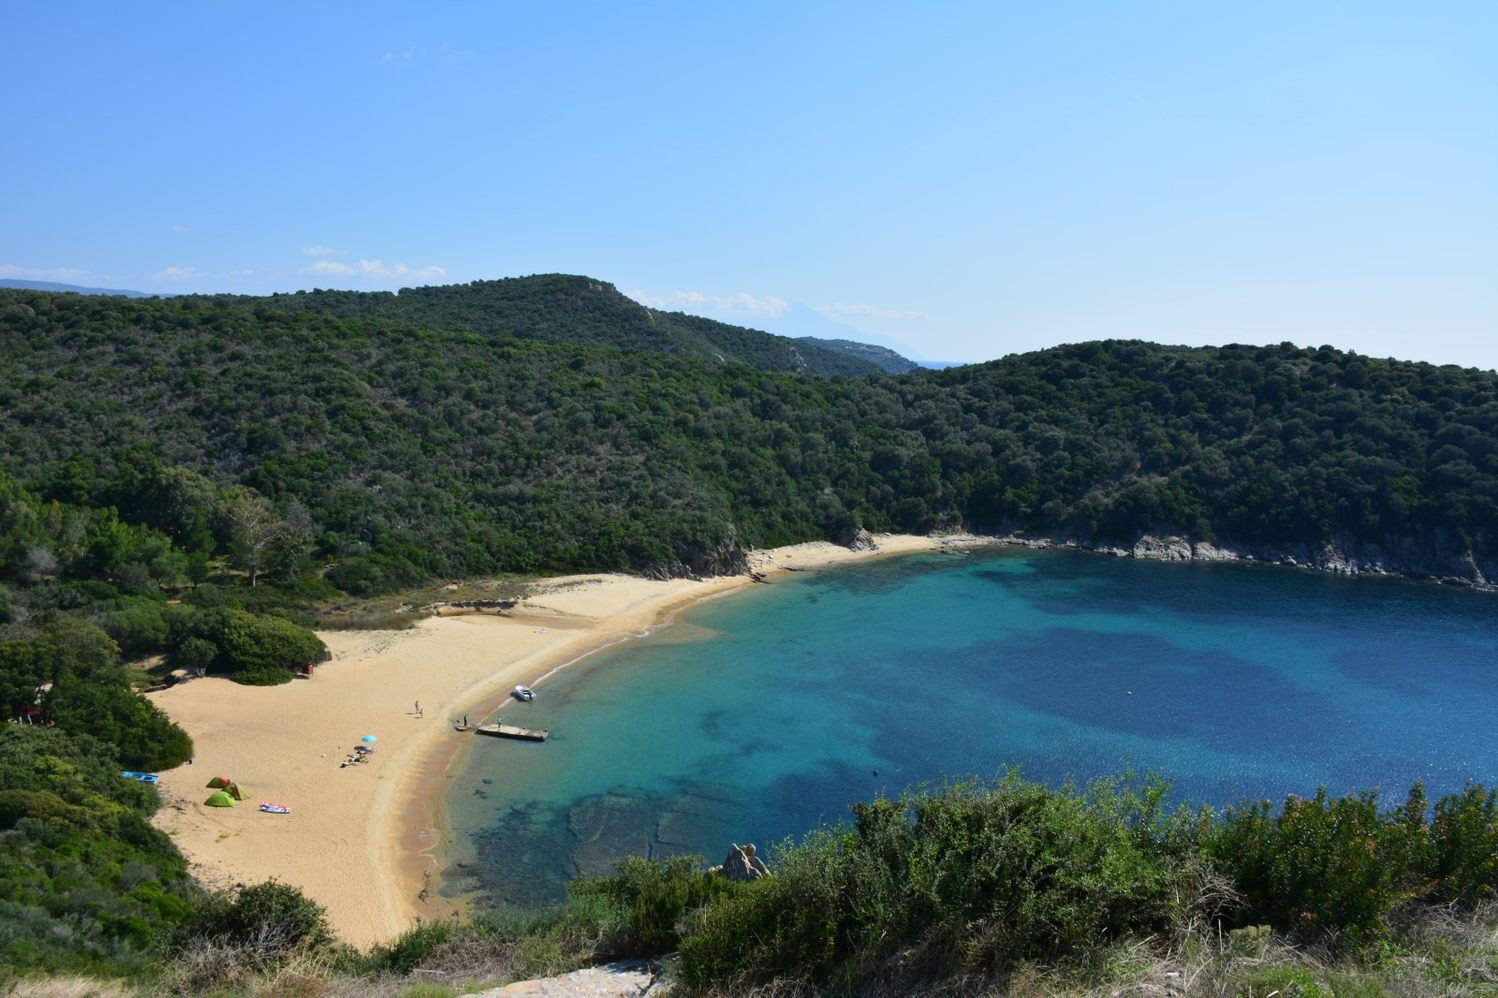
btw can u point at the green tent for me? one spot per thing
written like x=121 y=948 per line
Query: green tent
x=219 y=782
x=220 y=799
x=236 y=791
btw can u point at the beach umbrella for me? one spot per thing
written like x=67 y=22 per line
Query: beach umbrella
x=369 y=739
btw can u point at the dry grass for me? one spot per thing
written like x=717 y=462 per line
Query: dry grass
x=397 y=611
x=69 y=987
x=1441 y=953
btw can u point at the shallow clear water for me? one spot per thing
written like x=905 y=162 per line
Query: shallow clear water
x=761 y=716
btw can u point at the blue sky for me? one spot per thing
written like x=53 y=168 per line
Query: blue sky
x=959 y=181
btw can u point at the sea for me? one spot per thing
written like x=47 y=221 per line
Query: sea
x=762 y=716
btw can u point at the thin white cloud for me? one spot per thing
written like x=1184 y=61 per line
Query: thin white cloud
x=329 y=267
x=11 y=271
x=376 y=269
x=741 y=304
x=869 y=312
x=321 y=251
x=179 y=228
x=178 y=273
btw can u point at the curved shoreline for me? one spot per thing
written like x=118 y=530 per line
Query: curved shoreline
x=360 y=839
x=425 y=830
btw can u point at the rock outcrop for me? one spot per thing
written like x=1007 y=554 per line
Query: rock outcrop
x=626 y=979
x=742 y=864
x=1438 y=556
x=857 y=539
x=727 y=557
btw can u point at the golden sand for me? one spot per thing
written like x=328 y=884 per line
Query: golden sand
x=358 y=837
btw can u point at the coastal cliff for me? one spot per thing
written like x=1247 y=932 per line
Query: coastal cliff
x=1438 y=558
x=727 y=557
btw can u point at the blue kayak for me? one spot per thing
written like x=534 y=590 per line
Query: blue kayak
x=130 y=774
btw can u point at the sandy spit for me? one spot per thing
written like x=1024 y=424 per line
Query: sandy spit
x=357 y=838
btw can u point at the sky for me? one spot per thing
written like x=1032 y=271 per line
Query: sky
x=959 y=181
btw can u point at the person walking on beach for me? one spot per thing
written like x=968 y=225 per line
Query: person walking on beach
x=418 y=708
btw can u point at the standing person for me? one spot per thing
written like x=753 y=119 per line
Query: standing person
x=418 y=708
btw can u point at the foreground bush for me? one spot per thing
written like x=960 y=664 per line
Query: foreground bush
x=654 y=897
x=972 y=879
x=1003 y=886
x=268 y=921
x=1340 y=870
x=590 y=929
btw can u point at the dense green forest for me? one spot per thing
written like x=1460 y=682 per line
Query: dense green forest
x=557 y=308
x=181 y=479
x=390 y=451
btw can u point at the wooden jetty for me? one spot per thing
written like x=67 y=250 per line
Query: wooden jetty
x=514 y=731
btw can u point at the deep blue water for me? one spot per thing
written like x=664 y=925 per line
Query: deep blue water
x=766 y=714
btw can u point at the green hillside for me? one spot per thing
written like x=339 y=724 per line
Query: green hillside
x=406 y=451
x=558 y=308
x=889 y=361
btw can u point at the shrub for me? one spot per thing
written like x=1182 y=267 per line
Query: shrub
x=358 y=576
x=270 y=675
x=978 y=878
x=86 y=884
x=414 y=946
x=197 y=654
x=1465 y=845
x=270 y=920
x=260 y=651
x=139 y=626
x=787 y=925
x=656 y=895
x=1323 y=868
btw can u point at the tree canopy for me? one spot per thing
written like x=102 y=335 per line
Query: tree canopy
x=370 y=439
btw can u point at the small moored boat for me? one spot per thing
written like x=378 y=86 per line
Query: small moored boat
x=514 y=731
x=523 y=693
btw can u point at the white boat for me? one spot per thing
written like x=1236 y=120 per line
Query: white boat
x=523 y=693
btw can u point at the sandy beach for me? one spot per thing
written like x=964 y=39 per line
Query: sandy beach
x=358 y=838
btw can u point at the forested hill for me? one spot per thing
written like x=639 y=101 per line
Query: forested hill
x=403 y=451
x=74 y=288
x=889 y=361
x=559 y=308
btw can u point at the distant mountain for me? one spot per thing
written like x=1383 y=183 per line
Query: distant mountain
x=887 y=359
x=72 y=288
x=562 y=308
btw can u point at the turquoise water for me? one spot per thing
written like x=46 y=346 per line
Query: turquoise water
x=763 y=715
